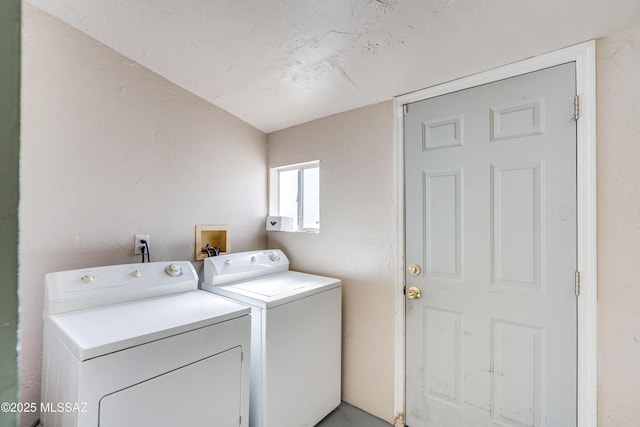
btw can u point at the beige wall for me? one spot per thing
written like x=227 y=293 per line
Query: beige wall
x=357 y=239
x=618 y=159
x=109 y=150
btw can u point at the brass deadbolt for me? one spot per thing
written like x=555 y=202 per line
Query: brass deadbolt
x=415 y=269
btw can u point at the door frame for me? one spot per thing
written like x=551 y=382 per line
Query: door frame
x=583 y=55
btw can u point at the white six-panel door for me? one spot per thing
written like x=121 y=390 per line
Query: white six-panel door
x=490 y=205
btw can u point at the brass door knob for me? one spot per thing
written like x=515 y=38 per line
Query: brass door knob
x=414 y=293
x=415 y=269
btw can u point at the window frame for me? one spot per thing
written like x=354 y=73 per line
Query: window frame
x=274 y=192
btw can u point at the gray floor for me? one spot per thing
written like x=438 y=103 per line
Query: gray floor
x=350 y=416
x=344 y=416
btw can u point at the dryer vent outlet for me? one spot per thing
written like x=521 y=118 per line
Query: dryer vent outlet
x=137 y=243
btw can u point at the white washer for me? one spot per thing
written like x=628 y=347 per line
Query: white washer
x=140 y=345
x=295 y=335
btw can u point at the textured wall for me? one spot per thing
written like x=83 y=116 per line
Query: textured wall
x=9 y=150
x=110 y=149
x=618 y=228
x=357 y=238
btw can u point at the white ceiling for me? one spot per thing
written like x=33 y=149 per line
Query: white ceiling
x=276 y=63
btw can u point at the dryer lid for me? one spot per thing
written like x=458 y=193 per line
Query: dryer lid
x=99 y=331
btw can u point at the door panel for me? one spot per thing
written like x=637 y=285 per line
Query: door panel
x=442 y=218
x=490 y=193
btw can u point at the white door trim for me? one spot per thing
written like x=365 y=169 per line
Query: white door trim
x=584 y=56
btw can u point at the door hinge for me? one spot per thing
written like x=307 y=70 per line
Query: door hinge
x=576 y=107
x=577 y=284
x=405 y=109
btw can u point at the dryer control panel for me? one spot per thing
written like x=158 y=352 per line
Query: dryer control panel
x=244 y=265
x=99 y=286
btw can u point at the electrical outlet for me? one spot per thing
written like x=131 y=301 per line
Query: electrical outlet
x=137 y=243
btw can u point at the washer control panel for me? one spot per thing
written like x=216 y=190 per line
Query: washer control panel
x=243 y=265
x=93 y=287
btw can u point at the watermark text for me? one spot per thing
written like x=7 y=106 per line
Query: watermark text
x=26 y=407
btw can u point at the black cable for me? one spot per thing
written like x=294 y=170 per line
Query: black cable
x=142 y=249
x=148 y=251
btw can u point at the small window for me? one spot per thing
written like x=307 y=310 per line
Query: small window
x=295 y=193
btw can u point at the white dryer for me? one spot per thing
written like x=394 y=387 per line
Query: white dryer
x=295 y=339
x=140 y=345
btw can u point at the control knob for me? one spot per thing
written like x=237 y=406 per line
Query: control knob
x=174 y=270
x=273 y=256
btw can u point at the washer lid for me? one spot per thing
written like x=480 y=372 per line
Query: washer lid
x=275 y=289
x=98 y=331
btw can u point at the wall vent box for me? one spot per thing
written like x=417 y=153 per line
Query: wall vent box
x=279 y=223
x=212 y=235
